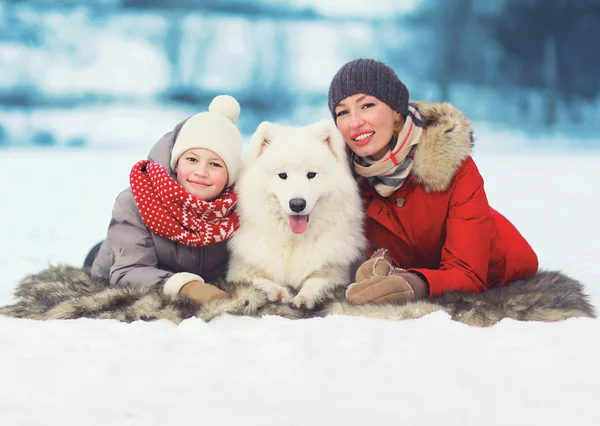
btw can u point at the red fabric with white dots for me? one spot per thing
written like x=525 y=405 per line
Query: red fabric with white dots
x=170 y=211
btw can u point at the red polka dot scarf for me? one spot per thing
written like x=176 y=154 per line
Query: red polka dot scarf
x=171 y=212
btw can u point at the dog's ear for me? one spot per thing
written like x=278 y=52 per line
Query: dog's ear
x=265 y=142
x=261 y=139
x=326 y=131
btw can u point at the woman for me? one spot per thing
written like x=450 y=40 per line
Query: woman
x=425 y=201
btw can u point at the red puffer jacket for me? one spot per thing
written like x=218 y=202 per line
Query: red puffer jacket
x=439 y=223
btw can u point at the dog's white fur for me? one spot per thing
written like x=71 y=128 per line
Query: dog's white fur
x=264 y=250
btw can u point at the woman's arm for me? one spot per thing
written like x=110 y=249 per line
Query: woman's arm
x=466 y=250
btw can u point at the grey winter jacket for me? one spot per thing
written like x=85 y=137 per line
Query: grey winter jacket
x=133 y=255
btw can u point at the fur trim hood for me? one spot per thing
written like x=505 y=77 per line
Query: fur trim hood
x=446 y=142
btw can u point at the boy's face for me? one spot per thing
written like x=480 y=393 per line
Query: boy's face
x=202 y=173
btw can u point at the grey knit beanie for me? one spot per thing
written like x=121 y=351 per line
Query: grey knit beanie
x=370 y=77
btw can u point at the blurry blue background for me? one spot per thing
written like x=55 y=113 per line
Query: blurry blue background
x=122 y=72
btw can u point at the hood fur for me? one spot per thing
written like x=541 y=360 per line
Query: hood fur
x=444 y=145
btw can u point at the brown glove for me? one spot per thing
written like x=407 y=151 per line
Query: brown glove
x=379 y=264
x=400 y=287
x=201 y=292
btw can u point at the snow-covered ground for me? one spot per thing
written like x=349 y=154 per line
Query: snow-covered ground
x=55 y=204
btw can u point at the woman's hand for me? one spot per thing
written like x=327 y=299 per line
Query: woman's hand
x=380 y=264
x=378 y=281
x=398 y=287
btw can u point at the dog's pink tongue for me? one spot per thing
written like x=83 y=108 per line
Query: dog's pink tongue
x=298 y=223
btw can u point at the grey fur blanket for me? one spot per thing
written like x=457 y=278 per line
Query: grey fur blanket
x=64 y=292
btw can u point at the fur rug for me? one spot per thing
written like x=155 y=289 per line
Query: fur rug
x=63 y=292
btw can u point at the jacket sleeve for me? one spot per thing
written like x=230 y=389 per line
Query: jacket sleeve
x=466 y=250
x=134 y=256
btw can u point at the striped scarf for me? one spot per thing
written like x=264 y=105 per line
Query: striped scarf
x=389 y=173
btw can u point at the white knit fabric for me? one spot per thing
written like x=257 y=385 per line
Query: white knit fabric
x=215 y=130
x=176 y=281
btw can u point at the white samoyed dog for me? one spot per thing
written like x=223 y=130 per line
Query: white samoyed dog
x=301 y=218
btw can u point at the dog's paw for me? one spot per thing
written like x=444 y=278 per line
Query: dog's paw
x=302 y=300
x=278 y=294
x=286 y=297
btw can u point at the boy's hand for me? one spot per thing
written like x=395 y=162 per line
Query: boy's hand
x=201 y=292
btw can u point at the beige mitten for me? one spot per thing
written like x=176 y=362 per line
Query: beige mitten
x=399 y=287
x=380 y=264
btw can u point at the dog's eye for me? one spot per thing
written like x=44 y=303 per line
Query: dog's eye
x=283 y=176
x=311 y=175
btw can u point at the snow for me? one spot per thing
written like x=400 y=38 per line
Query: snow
x=107 y=126
x=56 y=205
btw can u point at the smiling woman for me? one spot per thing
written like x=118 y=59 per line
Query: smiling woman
x=367 y=124
x=427 y=210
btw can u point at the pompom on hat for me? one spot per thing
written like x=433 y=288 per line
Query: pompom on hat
x=215 y=130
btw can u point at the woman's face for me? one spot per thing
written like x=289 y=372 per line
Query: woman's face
x=366 y=123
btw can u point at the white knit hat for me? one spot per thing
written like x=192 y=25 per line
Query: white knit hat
x=214 y=130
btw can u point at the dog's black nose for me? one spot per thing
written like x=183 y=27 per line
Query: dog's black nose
x=297 y=204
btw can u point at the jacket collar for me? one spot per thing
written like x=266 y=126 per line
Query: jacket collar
x=446 y=142
x=161 y=152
